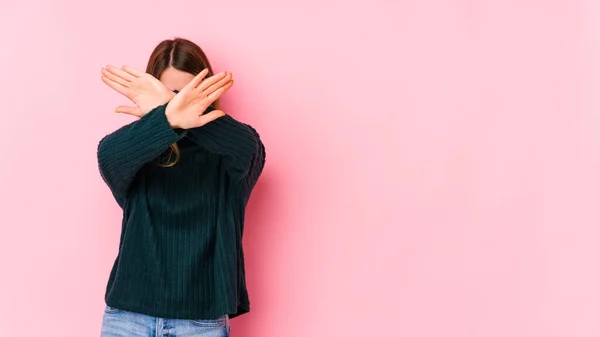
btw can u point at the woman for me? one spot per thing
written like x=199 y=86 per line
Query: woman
x=182 y=174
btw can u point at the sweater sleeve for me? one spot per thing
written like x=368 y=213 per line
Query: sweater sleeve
x=122 y=153
x=235 y=141
x=257 y=163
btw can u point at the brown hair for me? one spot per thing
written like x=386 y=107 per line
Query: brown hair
x=183 y=55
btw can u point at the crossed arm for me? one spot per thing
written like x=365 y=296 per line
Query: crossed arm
x=164 y=119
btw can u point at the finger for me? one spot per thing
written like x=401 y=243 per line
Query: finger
x=129 y=110
x=217 y=93
x=209 y=117
x=116 y=86
x=132 y=71
x=218 y=84
x=115 y=78
x=120 y=73
x=194 y=82
x=211 y=80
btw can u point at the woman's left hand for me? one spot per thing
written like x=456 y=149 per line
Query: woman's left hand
x=186 y=109
x=145 y=90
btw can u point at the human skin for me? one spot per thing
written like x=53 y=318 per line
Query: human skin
x=185 y=108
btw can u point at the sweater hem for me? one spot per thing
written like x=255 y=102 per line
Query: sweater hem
x=140 y=309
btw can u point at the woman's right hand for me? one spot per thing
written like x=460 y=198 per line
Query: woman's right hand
x=143 y=89
x=186 y=109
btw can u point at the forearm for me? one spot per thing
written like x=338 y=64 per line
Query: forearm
x=235 y=141
x=122 y=153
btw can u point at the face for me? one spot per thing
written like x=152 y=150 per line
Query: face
x=175 y=79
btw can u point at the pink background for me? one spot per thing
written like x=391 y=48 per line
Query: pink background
x=433 y=167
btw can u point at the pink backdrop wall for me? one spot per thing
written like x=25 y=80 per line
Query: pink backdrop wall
x=433 y=167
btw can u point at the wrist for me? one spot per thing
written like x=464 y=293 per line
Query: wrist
x=170 y=117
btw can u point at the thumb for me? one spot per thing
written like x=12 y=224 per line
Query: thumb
x=129 y=110
x=209 y=117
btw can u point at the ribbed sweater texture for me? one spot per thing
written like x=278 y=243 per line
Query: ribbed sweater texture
x=180 y=251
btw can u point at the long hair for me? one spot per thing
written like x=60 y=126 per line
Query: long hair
x=183 y=55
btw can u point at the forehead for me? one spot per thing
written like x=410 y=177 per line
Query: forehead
x=175 y=79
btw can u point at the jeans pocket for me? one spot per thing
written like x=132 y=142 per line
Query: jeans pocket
x=110 y=310
x=221 y=321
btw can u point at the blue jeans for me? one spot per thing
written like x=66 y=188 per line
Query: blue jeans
x=121 y=323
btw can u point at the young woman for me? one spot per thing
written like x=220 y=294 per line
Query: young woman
x=182 y=174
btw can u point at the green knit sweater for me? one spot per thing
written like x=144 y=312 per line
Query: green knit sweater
x=180 y=252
